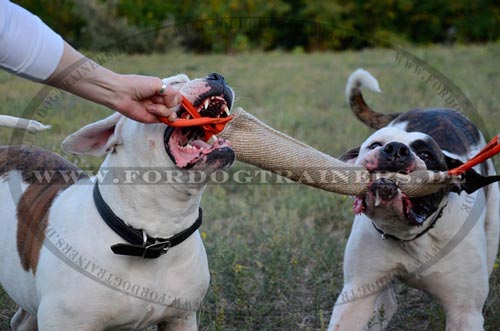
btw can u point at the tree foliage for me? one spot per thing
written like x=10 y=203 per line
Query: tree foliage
x=235 y=26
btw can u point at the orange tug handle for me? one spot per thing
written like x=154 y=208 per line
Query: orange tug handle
x=490 y=150
x=209 y=125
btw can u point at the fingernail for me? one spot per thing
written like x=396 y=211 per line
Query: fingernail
x=172 y=117
x=151 y=108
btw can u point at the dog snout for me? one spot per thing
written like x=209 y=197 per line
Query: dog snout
x=395 y=150
x=218 y=86
x=216 y=76
x=216 y=81
x=395 y=156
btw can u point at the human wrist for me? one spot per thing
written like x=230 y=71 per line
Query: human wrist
x=102 y=86
x=85 y=78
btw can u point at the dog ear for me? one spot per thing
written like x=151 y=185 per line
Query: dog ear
x=350 y=156
x=97 y=139
x=177 y=79
x=471 y=181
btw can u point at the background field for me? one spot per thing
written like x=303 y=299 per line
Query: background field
x=275 y=251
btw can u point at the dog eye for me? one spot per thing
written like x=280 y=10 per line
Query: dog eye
x=425 y=156
x=374 y=145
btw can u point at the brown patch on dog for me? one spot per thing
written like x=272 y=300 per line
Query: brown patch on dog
x=36 y=200
x=367 y=115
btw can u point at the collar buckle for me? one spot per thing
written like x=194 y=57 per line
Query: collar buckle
x=162 y=246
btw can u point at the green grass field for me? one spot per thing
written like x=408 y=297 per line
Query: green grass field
x=275 y=251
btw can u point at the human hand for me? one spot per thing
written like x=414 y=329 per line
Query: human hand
x=138 y=97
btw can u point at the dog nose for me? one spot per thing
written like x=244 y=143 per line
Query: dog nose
x=215 y=76
x=218 y=86
x=395 y=150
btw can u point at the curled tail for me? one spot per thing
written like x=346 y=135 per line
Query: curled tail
x=359 y=79
x=21 y=123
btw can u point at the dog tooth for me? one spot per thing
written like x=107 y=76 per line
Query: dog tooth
x=225 y=109
x=212 y=139
x=206 y=103
x=377 y=199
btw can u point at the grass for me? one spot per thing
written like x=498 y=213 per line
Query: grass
x=275 y=251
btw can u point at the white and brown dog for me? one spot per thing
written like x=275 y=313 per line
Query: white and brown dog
x=445 y=243
x=77 y=256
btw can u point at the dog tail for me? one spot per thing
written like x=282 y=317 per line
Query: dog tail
x=21 y=123
x=359 y=79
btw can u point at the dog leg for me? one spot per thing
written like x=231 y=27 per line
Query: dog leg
x=385 y=307
x=180 y=324
x=352 y=313
x=462 y=299
x=23 y=321
x=461 y=288
x=371 y=312
x=463 y=318
x=492 y=225
x=367 y=280
x=56 y=315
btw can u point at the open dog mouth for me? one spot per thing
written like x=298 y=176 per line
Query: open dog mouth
x=185 y=145
x=385 y=194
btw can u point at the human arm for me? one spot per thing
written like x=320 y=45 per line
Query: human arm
x=30 y=49
x=134 y=96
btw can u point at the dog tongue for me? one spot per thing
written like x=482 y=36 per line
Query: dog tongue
x=186 y=156
x=200 y=144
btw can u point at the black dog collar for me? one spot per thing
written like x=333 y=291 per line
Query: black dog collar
x=140 y=243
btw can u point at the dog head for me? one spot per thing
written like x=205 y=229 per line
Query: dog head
x=132 y=144
x=431 y=139
x=393 y=150
x=212 y=97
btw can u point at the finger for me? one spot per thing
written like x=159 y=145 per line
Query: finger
x=157 y=99
x=140 y=115
x=175 y=101
x=171 y=97
x=172 y=117
x=143 y=87
x=161 y=110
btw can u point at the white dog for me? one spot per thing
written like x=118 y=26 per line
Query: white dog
x=445 y=243
x=77 y=256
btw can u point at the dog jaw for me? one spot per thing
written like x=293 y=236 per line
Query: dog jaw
x=211 y=97
x=188 y=152
x=385 y=201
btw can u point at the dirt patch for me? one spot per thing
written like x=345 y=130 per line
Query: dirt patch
x=7 y=310
x=416 y=311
